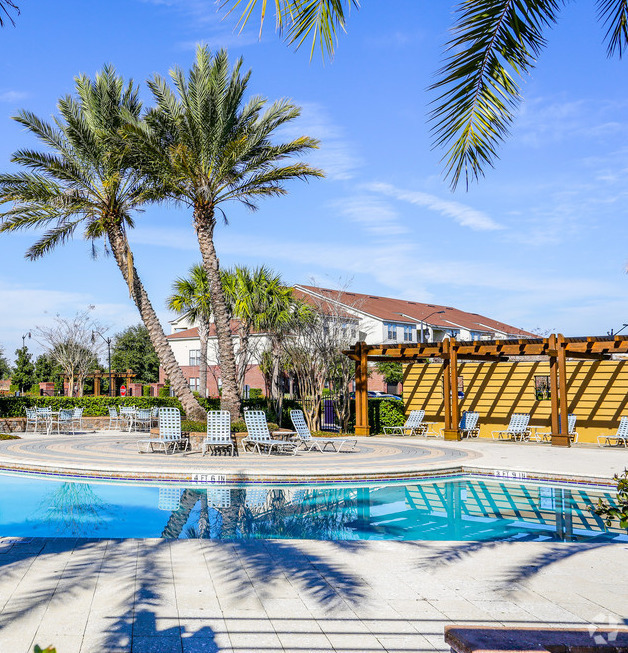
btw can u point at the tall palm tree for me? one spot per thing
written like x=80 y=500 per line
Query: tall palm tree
x=494 y=44
x=84 y=181
x=204 y=146
x=192 y=296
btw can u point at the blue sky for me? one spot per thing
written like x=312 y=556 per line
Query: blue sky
x=540 y=243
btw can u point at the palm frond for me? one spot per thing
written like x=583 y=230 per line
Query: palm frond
x=493 y=43
x=614 y=16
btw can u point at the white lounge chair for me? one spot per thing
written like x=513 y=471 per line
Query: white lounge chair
x=546 y=436
x=468 y=425
x=127 y=416
x=143 y=419
x=218 y=431
x=517 y=429
x=414 y=425
x=44 y=416
x=259 y=437
x=620 y=438
x=170 y=437
x=308 y=442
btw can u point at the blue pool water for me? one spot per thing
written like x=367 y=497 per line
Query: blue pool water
x=461 y=508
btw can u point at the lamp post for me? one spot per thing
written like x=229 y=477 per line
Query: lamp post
x=423 y=322
x=108 y=341
x=26 y=335
x=611 y=333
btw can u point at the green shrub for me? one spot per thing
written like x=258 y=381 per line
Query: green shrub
x=9 y=436
x=94 y=406
x=165 y=391
x=391 y=413
x=238 y=426
x=192 y=425
x=146 y=391
x=49 y=649
x=255 y=393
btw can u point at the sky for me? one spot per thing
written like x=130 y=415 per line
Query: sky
x=539 y=243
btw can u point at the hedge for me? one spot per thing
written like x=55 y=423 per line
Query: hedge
x=94 y=406
x=381 y=412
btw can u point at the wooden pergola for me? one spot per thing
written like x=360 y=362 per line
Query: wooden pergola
x=556 y=347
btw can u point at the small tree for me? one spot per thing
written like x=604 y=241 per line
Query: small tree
x=47 y=369
x=5 y=368
x=69 y=343
x=619 y=512
x=391 y=371
x=132 y=350
x=24 y=372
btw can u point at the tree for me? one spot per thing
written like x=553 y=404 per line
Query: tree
x=24 y=371
x=192 y=296
x=85 y=181
x=203 y=147
x=47 y=369
x=391 y=371
x=6 y=6
x=494 y=44
x=132 y=350
x=69 y=342
x=5 y=368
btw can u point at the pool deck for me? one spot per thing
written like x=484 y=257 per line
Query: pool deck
x=295 y=596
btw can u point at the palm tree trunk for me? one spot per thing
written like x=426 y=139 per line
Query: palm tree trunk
x=203 y=336
x=230 y=399
x=120 y=250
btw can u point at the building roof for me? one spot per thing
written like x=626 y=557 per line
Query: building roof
x=192 y=333
x=401 y=311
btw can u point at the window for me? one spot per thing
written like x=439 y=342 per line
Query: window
x=453 y=333
x=407 y=334
x=194 y=384
x=391 y=331
x=195 y=356
x=476 y=335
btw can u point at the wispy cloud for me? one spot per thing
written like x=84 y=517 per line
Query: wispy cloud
x=372 y=213
x=335 y=156
x=464 y=215
x=12 y=96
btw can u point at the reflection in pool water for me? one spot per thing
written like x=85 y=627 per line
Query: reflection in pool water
x=462 y=508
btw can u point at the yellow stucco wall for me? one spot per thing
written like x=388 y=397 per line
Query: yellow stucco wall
x=597 y=394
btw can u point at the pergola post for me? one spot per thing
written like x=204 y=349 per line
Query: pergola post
x=553 y=364
x=96 y=385
x=451 y=431
x=447 y=384
x=560 y=438
x=361 y=391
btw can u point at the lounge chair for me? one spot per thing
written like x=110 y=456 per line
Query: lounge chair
x=308 y=442
x=218 y=431
x=468 y=425
x=170 y=437
x=31 y=418
x=44 y=415
x=143 y=419
x=517 y=429
x=259 y=438
x=414 y=425
x=620 y=438
x=127 y=415
x=546 y=436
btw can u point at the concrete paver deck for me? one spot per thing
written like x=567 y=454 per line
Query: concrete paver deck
x=197 y=596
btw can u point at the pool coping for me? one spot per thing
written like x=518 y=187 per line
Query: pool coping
x=207 y=478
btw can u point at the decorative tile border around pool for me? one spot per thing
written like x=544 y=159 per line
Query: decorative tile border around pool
x=193 y=478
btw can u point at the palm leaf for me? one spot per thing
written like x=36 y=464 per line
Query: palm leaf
x=614 y=15
x=494 y=42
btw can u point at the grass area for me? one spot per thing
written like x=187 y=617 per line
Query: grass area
x=9 y=436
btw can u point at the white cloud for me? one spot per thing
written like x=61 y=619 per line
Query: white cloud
x=372 y=213
x=464 y=215
x=12 y=96
x=335 y=155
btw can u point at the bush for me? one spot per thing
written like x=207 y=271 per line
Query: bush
x=381 y=412
x=146 y=391
x=238 y=426
x=94 y=406
x=255 y=393
x=165 y=391
x=192 y=425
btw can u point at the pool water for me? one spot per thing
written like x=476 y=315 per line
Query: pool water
x=460 y=508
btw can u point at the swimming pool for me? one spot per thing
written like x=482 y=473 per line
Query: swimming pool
x=453 y=508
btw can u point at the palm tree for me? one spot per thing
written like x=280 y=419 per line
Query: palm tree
x=192 y=296
x=84 y=181
x=204 y=147
x=494 y=44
